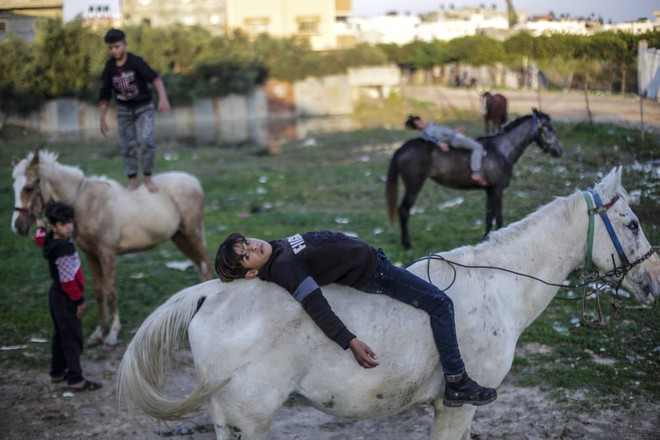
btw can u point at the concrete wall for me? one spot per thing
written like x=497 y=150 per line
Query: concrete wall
x=70 y=115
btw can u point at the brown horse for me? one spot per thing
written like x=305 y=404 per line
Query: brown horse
x=110 y=220
x=494 y=110
x=418 y=160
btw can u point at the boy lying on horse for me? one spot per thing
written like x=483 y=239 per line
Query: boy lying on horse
x=446 y=137
x=304 y=262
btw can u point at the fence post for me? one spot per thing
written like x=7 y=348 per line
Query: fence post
x=642 y=80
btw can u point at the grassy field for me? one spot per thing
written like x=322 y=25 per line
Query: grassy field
x=338 y=184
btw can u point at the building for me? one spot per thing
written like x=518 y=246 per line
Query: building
x=447 y=24
x=314 y=20
x=19 y=17
x=390 y=28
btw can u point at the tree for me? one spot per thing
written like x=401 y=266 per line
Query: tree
x=476 y=50
x=17 y=77
x=65 y=57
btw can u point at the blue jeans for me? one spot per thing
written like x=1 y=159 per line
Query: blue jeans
x=407 y=287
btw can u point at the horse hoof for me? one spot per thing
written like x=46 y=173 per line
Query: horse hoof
x=93 y=342
x=110 y=343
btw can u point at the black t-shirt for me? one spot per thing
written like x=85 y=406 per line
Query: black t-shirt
x=129 y=82
x=304 y=262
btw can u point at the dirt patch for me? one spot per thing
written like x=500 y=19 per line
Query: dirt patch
x=32 y=408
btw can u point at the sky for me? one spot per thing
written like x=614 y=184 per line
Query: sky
x=616 y=10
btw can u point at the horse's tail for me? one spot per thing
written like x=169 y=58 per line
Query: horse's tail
x=147 y=360
x=392 y=187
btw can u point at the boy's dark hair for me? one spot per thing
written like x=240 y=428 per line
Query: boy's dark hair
x=227 y=261
x=58 y=212
x=114 y=35
x=410 y=122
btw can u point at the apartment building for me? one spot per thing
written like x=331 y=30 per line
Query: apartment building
x=313 y=19
x=19 y=17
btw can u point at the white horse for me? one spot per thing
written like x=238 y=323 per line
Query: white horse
x=110 y=220
x=253 y=345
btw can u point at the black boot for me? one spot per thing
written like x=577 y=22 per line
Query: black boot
x=460 y=389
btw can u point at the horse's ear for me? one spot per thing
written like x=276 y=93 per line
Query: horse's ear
x=14 y=161
x=611 y=183
x=35 y=158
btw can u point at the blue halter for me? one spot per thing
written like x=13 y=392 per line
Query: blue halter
x=601 y=209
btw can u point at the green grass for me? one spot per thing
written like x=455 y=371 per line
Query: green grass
x=338 y=184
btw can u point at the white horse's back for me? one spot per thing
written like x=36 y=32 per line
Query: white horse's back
x=259 y=331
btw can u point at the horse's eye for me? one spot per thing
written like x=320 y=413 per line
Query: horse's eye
x=28 y=189
x=634 y=227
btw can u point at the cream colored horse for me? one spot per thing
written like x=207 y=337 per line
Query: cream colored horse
x=111 y=220
x=253 y=345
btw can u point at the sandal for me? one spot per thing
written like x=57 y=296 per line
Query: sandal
x=57 y=379
x=88 y=385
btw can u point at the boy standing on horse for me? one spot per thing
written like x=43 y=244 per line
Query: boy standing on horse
x=129 y=75
x=304 y=262
x=65 y=297
x=446 y=137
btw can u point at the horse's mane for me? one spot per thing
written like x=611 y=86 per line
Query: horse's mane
x=47 y=157
x=507 y=127
x=607 y=189
x=568 y=204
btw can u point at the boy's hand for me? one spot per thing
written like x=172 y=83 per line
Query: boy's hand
x=164 y=106
x=104 y=127
x=363 y=354
x=444 y=147
x=80 y=311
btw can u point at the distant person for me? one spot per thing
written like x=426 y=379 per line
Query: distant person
x=129 y=76
x=304 y=262
x=445 y=137
x=65 y=297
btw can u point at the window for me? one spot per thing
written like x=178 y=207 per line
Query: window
x=3 y=28
x=308 y=25
x=256 y=25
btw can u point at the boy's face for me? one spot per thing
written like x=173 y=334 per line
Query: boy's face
x=62 y=229
x=255 y=253
x=420 y=124
x=117 y=49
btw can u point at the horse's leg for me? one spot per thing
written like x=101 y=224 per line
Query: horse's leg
x=497 y=207
x=412 y=191
x=109 y=282
x=238 y=414
x=191 y=244
x=452 y=423
x=95 y=268
x=490 y=211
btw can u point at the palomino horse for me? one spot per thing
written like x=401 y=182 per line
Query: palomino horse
x=494 y=109
x=254 y=346
x=110 y=220
x=418 y=160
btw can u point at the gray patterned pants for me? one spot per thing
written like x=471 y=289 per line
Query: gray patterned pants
x=136 y=130
x=466 y=143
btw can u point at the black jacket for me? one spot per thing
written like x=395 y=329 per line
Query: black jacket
x=304 y=262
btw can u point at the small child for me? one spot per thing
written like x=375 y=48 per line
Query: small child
x=129 y=75
x=65 y=297
x=445 y=137
x=304 y=262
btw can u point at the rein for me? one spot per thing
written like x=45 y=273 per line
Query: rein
x=590 y=276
